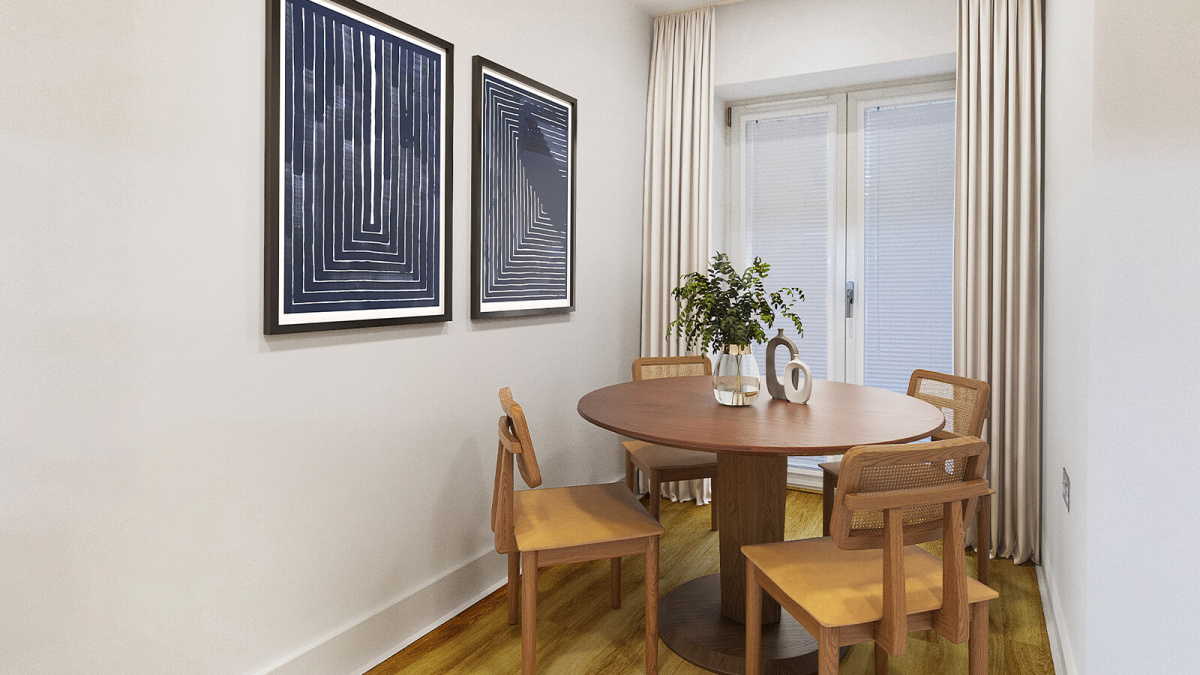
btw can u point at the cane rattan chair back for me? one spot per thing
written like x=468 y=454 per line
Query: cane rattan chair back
x=962 y=400
x=654 y=367
x=914 y=471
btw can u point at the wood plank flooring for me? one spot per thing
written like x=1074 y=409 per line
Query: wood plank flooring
x=579 y=633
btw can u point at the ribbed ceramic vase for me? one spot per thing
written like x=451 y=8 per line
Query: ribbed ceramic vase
x=735 y=379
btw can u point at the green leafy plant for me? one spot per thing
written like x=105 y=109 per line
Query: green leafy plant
x=724 y=308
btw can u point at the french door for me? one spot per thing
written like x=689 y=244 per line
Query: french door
x=850 y=197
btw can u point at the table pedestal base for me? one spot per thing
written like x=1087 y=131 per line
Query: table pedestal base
x=690 y=623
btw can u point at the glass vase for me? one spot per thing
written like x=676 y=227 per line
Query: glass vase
x=735 y=379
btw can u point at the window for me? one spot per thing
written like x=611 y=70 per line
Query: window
x=853 y=193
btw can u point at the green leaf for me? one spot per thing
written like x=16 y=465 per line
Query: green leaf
x=723 y=307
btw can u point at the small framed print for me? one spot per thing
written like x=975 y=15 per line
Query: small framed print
x=523 y=200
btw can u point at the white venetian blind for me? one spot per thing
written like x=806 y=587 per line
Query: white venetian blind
x=908 y=236
x=788 y=191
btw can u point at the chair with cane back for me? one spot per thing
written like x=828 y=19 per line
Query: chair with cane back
x=869 y=581
x=660 y=463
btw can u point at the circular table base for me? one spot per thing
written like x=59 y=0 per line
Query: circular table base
x=690 y=623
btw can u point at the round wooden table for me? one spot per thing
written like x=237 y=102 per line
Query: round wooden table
x=752 y=443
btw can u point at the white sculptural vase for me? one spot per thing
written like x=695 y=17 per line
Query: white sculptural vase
x=797 y=393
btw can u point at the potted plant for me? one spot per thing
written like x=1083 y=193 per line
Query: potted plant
x=728 y=311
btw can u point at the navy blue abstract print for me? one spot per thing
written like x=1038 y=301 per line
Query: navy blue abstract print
x=524 y=198
x=362 y=189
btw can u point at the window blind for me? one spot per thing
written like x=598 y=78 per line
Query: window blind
x=788 y=194
x=908 y=236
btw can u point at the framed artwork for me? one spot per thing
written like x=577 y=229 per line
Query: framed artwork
x=358 y=166
x=523 y=201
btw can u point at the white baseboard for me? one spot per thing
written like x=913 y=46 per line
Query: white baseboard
x=365 y=642
x=1060 y=646
x=805 y=479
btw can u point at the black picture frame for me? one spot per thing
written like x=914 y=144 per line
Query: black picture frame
x=397 y=262
x=487 y=191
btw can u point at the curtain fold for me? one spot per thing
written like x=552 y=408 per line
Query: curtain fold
x=677 y=182
x=998 y=239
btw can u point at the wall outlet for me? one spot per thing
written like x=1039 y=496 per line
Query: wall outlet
x=1066 y=489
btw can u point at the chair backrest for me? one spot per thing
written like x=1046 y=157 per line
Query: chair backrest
x=962 y=400
x=889 y=496
x=514 y=442
x=654 y=367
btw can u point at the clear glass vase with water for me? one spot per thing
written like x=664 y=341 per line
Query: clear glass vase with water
x=736 y=380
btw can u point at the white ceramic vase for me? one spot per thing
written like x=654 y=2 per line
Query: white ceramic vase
x=797 y=393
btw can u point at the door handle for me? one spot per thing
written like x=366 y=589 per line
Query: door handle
x=849 y=297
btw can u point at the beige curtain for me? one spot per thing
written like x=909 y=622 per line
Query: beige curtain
x=998 y=237
x=676 y=212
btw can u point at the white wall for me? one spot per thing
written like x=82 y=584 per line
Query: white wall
x=1146 y=368
x=766 y=39
x=178 y=492
x=1067 y=272
x=1122 y=354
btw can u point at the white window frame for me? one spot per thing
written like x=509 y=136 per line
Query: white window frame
x=835 y=106
x=857 y=105
x=847 y=218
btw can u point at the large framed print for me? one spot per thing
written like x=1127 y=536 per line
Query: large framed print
x=358 y=167
x=523 y=199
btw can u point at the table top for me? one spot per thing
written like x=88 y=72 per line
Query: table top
x=682 y=412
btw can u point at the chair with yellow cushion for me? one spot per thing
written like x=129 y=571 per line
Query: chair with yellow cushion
x=660 y=463
x=869 y=581
x=555 y=526
x=964 y=402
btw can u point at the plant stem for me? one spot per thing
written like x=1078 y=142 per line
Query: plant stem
x=738 y=397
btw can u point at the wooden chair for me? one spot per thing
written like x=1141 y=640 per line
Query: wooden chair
x=869 y=581
x=554 y=526
x=964 y=402
x=660 y=463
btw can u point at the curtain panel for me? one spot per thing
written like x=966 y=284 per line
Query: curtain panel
x=998 y=250
x=677 y=183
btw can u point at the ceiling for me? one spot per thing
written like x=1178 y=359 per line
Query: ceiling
x=664 y=6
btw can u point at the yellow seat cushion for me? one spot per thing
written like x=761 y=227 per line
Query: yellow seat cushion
x=653 y=456
x=549 y=518
x=845 y=588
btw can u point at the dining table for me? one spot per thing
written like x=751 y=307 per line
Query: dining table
x=703 y=620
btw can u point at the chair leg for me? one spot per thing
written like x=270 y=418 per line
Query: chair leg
x=616 y=583
x=514 y=586
x=753 y=621
x=828 y=653
x=828 y=485
x=655 y=495
x=977 y=648
x=881 y=660
x=713 y=503
x=630 y=474
x=652 y=605
x=983 y=541
x=529 y=571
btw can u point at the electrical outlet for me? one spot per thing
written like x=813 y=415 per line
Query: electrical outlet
x=1066 y=489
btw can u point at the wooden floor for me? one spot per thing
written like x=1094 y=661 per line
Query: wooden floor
x=579 y=633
